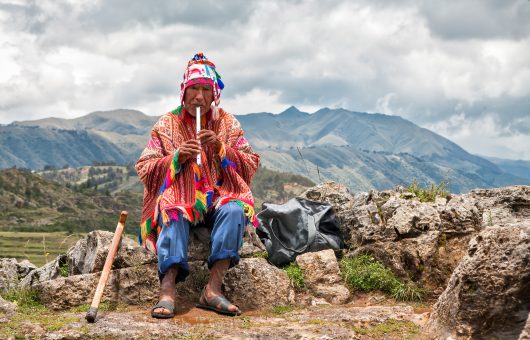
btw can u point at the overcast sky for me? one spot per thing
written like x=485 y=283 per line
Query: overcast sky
x=460 y=68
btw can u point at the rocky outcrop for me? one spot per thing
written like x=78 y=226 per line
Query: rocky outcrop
x=488 y=295
x=254 y=283
x=49 y=271
x=88 y=255
x=423 y=242
x=322 y=276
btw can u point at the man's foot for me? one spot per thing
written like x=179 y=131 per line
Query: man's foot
x=166 y=305
x=212 y=297
x=218 y=303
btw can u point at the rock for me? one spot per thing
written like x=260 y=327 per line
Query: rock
x=413 y=218
x=525 y=334
x=322 y=276
x=254 y=283
x=88 y=255
x=488 y=294
x=24 y=267
x=133 y=285
x=49 y=271
x=8 y=274
x=7 y=307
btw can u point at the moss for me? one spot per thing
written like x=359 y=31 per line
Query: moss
x=296 y=275
x=365 y=273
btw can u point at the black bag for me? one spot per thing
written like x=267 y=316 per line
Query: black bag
x=296 y=227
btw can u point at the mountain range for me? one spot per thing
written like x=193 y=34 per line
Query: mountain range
x=360 y=150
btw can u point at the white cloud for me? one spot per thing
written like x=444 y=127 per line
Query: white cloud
x=415 y=59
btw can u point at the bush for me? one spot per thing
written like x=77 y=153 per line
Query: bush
x=365 y=273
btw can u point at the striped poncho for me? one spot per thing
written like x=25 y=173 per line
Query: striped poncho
x=173 y=190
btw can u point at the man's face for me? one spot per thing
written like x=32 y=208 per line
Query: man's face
x=198 y=95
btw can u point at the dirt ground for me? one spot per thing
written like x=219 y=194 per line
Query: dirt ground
x=370 y=316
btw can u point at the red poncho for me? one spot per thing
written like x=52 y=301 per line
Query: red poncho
x=170 y=187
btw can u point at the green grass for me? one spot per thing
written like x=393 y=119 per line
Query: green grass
x=37 y=247
x=296 y=275
x=365 y=273
x=30 y=310
x=428 y=194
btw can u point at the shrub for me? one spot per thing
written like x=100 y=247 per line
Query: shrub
x=365 y=273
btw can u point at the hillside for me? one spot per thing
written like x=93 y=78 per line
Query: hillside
x=89 y=198
x=363 y=151
x=31 y=203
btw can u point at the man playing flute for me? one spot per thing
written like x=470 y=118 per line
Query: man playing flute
x=180 y=193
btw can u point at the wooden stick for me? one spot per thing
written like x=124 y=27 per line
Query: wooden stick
x=92 y=312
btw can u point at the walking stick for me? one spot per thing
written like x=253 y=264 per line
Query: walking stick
x=91 y=314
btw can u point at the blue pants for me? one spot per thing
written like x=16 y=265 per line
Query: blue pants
x=227 y=226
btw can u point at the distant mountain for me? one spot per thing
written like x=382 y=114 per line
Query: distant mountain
x=516 y=167
x=361 y=150
x=35 y=147
x=366 y=151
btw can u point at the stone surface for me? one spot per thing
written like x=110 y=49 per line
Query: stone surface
x=488 y=295
x=49 y=271
x=8 y=274
x=133 y=285
x=25 y=267
x=423 y=242
x=322 y=276
x=254 y=283
x=88 y=255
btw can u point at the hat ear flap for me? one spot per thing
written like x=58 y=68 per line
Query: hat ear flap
x=215 y=111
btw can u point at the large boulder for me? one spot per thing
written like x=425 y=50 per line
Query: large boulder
x=134 y=285
x=488 y=295
x=322 y=276
x=88 y=255
x=254 y=284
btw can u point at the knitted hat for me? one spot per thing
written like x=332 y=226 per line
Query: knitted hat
x=202 y=71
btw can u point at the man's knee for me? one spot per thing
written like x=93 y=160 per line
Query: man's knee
x=231 y=210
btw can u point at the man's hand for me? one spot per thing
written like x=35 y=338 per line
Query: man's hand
x=188 y=149
x=209 y=138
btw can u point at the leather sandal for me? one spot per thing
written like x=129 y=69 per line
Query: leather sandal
x=218 y=304
x=170 y=306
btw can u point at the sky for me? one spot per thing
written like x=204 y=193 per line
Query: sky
x=460 y=68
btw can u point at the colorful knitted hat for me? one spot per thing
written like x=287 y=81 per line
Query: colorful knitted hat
x=201 y=71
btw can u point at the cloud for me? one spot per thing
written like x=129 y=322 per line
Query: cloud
x=426 y=61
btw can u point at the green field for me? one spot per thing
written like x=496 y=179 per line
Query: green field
x=37 y=247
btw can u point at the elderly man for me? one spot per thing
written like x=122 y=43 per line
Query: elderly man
x=179 y=193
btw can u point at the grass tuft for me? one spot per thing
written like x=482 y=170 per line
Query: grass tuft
x=428 y=194
x=296 y=275
x=365 y=273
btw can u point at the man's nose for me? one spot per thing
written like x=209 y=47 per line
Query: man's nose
x=199 y=95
